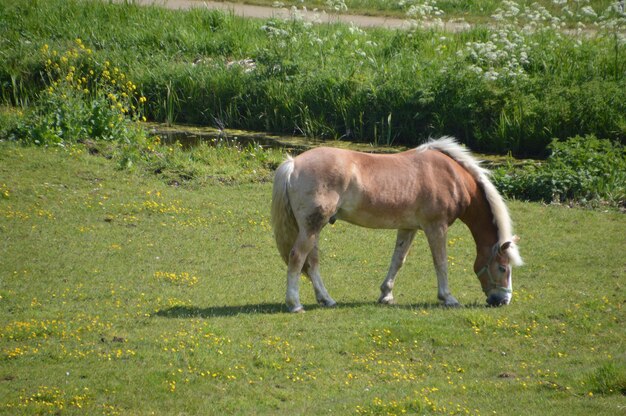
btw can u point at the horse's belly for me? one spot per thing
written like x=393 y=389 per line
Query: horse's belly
x=391 y=219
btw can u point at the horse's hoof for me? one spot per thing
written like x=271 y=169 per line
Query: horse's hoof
x=387 y=300
x=297 y=309
x=328 y=303
x=452 y=305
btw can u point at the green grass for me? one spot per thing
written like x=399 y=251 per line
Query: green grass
x=120 y=294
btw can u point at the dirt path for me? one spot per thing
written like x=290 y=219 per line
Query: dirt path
x=261 y=12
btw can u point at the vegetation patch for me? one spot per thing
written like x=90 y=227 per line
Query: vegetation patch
x=583 y=170
x=513 y=85
x=609 y=378
x=84 y=99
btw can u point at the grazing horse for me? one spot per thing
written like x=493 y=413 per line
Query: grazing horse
x=425 y=188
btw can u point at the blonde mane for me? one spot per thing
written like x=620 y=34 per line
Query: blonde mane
x=501 y=218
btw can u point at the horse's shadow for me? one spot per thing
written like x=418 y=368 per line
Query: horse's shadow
x=279 y=308
x=221 y=311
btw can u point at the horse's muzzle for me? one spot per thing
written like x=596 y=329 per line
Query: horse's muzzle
x=498 y=298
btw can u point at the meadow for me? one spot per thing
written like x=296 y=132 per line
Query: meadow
x=122 y=294
x=512 y=85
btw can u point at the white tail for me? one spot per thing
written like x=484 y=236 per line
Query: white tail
x=283 y=221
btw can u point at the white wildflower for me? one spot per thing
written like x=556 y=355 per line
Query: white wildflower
x=355 y=30
x=337 y=5
x=588 y=11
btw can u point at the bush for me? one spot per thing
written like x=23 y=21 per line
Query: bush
x=83 y=99
x=581 y=169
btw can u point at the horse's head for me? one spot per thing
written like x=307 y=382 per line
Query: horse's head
x=496 y=276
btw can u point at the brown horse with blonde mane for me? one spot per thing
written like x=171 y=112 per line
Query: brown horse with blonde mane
x=425 y=188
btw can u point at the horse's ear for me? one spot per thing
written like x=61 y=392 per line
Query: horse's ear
x=505 y=246
x=513 y=254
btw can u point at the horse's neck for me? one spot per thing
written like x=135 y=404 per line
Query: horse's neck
x=479 y=219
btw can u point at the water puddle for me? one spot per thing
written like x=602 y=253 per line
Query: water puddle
x=190 y=136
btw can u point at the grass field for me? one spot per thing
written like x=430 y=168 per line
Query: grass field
x=122 y=295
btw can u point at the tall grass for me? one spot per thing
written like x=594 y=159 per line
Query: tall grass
x=513 y=86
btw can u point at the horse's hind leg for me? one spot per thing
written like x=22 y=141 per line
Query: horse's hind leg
x=297 y=256
x=312 y=269
x=403 y=243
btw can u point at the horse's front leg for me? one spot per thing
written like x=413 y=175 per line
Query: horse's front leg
x=403 y=243
x=436 y=235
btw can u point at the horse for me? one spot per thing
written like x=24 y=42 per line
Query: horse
x=426 y=188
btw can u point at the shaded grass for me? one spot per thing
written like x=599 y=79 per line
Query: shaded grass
x=102 y=314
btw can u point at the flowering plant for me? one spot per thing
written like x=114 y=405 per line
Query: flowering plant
x=83 y=99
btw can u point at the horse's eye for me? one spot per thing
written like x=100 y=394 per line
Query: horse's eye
x=502 y=268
